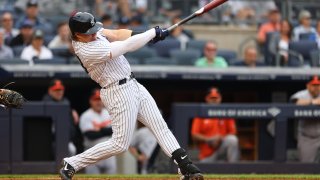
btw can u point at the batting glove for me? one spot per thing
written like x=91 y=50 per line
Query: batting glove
x=161 y=34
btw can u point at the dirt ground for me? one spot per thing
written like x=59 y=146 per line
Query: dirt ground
x=156 y=178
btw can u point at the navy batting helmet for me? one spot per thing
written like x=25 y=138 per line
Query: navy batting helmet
x=84 y=23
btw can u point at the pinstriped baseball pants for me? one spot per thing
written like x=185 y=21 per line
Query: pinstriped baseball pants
x=127 y=103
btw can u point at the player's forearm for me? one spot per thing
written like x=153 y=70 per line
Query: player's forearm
x=199 y=138
x=93 y=135
x=133 y=43
x=304 y=102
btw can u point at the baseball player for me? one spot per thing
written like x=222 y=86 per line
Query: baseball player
x=100 y=52
x=95 y=124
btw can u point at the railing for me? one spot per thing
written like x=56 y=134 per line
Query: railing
x=281 y=113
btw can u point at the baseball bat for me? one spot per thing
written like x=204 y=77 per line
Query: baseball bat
x=213 y=4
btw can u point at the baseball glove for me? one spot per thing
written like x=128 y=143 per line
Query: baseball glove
x=11 y=99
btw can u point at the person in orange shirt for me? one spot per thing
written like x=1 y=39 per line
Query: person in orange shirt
x=216 y=137
x=272 y=25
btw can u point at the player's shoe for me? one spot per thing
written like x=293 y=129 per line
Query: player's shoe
x=187 y=170
x=66 y=171
x=192 y=174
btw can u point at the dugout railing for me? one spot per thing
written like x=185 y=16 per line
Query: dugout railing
x=183 y=113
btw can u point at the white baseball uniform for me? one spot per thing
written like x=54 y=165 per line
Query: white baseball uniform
x=91 y=120
x=126 y=102
x=145 y=142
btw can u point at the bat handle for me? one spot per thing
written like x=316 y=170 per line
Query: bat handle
x=172 y=27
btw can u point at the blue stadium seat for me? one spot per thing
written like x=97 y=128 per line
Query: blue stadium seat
x=54 y=60
x=160 y=61
x=61 y=52
x=229 y=55
x=141 y=54
x=133 y=61
x=315 y=58
x=307 y=36
x=187 y=57
x=13 y=61
x=302 y=48
x=17 y=50
x=196 y=44
x=163 y=47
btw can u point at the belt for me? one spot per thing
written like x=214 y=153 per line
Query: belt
x=124 y=80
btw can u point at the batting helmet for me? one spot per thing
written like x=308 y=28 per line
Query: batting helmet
x=84 y=23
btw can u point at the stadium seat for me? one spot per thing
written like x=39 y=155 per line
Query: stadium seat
x=196 y=44
x=187 y=57
x=141 y=54
x=133 y=61
x=163 y=47
x=302 y=48
x=55 y=60
x=229 y=55
x=13 y=61
x=315 y=58
x=61 y=52
x=307 y=36
x=17 y=50
x=160 y=61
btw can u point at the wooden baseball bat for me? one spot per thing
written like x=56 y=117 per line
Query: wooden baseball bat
x=213 y=4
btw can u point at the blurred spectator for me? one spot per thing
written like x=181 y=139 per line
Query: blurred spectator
x=305 y=26
x=62 y=39
x=279 y=43
x=103 y=6
x=318 y=33
x=166 y=9
x=36 y=50
x=308 y=130
x=107 y=21
x=139 y=6
x=7 y=27
x=272 y=25
x=210 y=59
x=25 y=36
x=123 y=23
x=5 y=51
x=250 y=58
x=50 y=8
x=248 y=11
x=142 y=146
x=95 y=125
x=32 y=14
x=180 y=34
x=216 y=137
x=136 y=22
x=55 y=94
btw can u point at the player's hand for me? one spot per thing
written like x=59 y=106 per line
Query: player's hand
x=161 y=34
x=316 y=101
x=215 y=141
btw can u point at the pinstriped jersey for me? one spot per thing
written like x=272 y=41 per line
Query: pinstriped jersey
x=95 y=58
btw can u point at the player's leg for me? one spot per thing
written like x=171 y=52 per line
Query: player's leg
x=122 y=105
x=150 y=116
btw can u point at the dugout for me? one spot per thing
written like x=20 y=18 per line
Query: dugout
x=34 y=139
x=168 y=85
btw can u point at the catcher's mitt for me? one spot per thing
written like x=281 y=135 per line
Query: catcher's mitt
x=11 y=99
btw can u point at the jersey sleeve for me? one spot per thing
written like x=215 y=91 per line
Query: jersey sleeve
x=196 y=125
x=85 y=123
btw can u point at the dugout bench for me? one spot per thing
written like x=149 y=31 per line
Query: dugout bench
x=182 y=114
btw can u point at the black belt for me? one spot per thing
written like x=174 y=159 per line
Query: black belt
x=124 y=80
